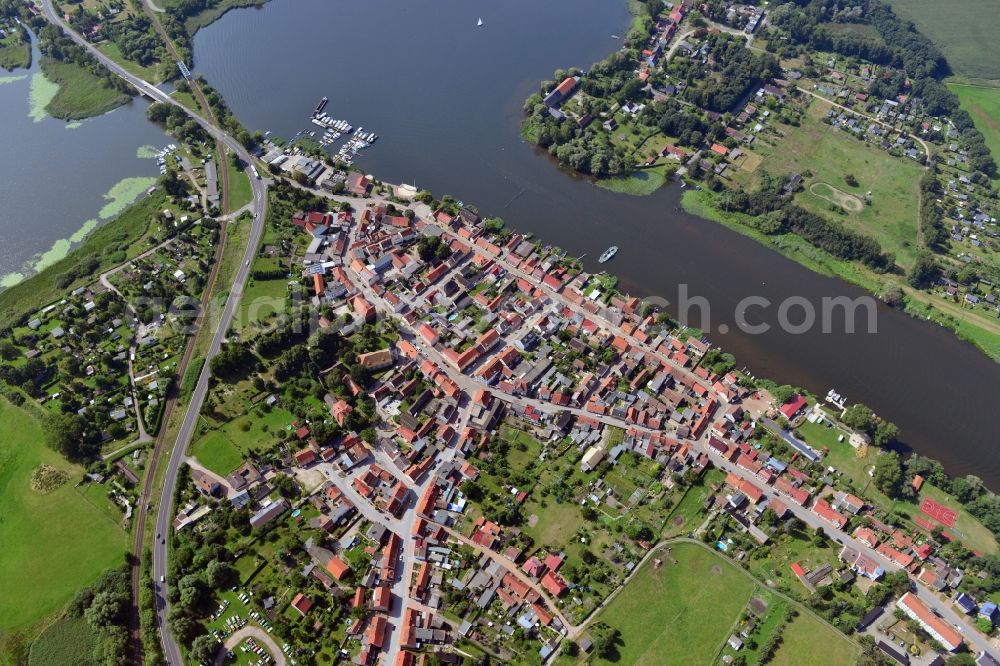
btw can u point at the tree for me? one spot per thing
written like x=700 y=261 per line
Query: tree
x=783 y=393
x=851 y=180
x=106 y=609
x=204 y=648
x=886 y=432
x=888 y=474
x=8 y=350
x=220 y=574
x=286 y=486
x=859 y=417
x=923 y=272
x=181 y=625
x=605 y=639
x=67 y=435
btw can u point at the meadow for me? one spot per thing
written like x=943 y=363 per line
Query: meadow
x=825 y=156
x=805 y=637
x=680 y=612
x=81 y=93
x=54 y=543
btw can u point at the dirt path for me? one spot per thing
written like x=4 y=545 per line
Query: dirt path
x=927 y=150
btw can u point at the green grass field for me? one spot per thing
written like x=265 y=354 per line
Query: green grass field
x=638 y=183
x=223 y=449
x=983 y=104
x=81 y=94
x=14 y=54
x=972 y=533
x=68 y=641
x=261 y=300
x=688 y=513
x=217 y=453
x=52 y=543
x=829 y=155
x=681 y=613
x=806 y=638
x=965 y=33
x=240 y=193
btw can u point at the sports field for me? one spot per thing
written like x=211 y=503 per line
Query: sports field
x=53 y=543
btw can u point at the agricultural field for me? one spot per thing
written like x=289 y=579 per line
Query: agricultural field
x=805 y=637
x=966 y=33
x=40 y=569
x=826 y=156
x=983 y=104
x=69 y=641
x=680 y=612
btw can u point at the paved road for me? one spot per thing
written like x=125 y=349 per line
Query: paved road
x=940 y=604
x=164 y=516
x=165 y=513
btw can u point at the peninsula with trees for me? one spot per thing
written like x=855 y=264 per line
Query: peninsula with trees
x=823 y=131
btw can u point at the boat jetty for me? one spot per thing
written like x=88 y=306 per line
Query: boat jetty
x=161 y=157
x=335 y=128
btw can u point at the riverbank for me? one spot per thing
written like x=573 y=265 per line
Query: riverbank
x=195 y=23
x=15 y=53
x=108 y=245
x=81 y=94
x=916 y=303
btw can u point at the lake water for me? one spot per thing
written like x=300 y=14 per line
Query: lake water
x=445 y=98
x=59 y=180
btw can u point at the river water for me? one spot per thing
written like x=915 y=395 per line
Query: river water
x=445 y=98
x=60 y=179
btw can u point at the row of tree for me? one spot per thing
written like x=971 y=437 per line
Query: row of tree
x=785 y=216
